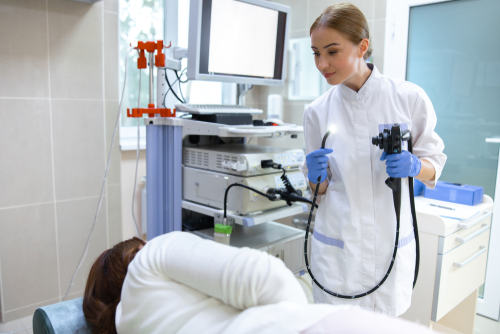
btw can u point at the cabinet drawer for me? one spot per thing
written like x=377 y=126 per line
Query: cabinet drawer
x=456 y=239
x=458 y=273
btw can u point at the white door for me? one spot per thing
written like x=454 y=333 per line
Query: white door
x=452 y=50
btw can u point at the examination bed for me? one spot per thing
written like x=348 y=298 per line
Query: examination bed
x=224 y=290
x=64 y=317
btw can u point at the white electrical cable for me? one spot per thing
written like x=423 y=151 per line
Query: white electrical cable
x=84 y=254
x=137 y=160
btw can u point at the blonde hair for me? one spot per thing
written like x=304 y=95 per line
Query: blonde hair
x=348 y=20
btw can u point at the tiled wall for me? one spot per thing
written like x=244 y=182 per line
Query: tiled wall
x=303 y=14
x=58 y=103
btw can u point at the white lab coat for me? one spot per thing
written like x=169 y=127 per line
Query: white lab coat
x=355 y=224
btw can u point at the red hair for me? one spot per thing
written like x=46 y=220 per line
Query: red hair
x=104 y=285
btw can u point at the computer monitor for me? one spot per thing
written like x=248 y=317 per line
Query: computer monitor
x=241 y=41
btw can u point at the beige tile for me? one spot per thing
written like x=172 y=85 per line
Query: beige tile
x=23 y=35
x=75 y=42
x=316 y=7
x=115 y=214
x=28 y=252
x=294 y=112
x=127 y=190
x=253 y=95
x=9 y=326
x=111 y=59
x=78 y=132
x=28 y=310
x=26 y=163
x=267 y=90
x=380 y=8
x=111 y=5
x=74 y=295
x=74 y=222
x=111 y=109
x=27 y=321
x=298 y=8
x=299 y=33
x=378 y=41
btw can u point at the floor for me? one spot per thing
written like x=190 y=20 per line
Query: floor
x=486 y=326
x=23 y=326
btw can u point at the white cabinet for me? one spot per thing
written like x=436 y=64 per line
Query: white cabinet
x=453 y=256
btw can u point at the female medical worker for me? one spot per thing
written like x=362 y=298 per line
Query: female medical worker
x=355 y=224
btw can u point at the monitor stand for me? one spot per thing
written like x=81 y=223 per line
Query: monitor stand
x=241 y=90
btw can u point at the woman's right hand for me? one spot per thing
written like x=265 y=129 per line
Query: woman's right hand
x=317 y=163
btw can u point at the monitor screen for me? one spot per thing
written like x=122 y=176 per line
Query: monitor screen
x=238 y=40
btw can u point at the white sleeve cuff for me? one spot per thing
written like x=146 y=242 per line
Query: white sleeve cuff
x=437 y=169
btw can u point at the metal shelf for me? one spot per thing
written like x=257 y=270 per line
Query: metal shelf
x=250 y=220
x=190 y=127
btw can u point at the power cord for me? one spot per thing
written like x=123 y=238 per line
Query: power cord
x=180 y=81
x=171 y=89
x=86 y=249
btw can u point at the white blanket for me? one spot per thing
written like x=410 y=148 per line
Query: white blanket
x=180 y=283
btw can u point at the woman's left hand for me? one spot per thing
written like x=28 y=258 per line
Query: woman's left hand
x=402 y=164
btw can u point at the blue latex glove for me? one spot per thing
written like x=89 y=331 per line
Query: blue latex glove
x=317 y=162
x=402 y=164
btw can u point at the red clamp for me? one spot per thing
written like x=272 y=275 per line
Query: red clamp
x=151 y=47
x=151 y=112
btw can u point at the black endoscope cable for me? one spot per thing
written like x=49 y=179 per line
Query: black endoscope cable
x=414 y=217
x=415 y=231
x=270 y=197
x=290 y=196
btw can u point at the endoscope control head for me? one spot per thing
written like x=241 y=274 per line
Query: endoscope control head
x=390 y=140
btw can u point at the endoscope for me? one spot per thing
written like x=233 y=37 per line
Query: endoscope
x=391 y=141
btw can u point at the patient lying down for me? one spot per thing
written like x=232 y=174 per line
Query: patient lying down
x=180 y=283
